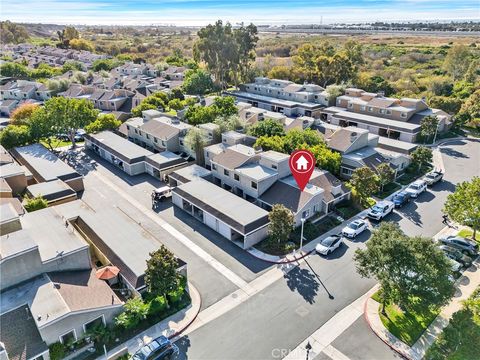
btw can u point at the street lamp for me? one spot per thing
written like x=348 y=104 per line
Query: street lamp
x=436 y=132
x=302 y=220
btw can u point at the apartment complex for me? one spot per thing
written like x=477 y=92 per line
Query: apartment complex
x=388 y=117
x=283 y=96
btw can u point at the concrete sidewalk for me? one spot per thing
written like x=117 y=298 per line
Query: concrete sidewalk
x=171 y=327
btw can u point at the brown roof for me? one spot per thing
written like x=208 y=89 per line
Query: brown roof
x=230 y=159
x=374 y=160
x=82 y=290
x=381 y=102
x=289 y=196
x=327 y=181
x=159 y=129
x=340 y=140
x=19 y=334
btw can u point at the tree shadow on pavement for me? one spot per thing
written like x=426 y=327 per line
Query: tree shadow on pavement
x=183 y=344
x=304 y=282
x=453 y=153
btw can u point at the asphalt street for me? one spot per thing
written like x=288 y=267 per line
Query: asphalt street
x=288 y=311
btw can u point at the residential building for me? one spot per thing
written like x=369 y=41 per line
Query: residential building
x=132 y=158
x=388 y=117
x=46 y=166
x=283 y=96
x=233 y=217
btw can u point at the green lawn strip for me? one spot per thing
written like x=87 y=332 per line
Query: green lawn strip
x=388 y=190
x=410 y=176
x=347 y=209
x=56 y=143
x=467 y=233
x=407 y=326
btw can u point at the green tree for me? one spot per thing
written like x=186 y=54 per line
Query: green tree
x=428 y=126
x=198 y=114
x=43 y=126
x=275 y=143
x=386 y=174
x=71 y=33
x=301 y=139
x=34 y=204
x=197 y=82
x=161 y=276
x=81 y=44
x=463 y=206
x=13 y=136
x=12 y=33
x=246 y=40
x=281 y=223
x=421 y=157
x=196 y=140
x=103 y=122
x=448 y=104
x=135 y=310
x=267 y=127
x=72 y=65
x=105 y=64
x=70 y=114
x=365 y=183
x=175 y=104
x=281 y=72
x=15 y=70
x=408 y=269
x=470 y=111
x=327 y=159
x=152 y=102
x=224 y=106
x=457 y=61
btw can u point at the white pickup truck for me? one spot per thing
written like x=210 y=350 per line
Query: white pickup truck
x=380 y=210
x=433 y=177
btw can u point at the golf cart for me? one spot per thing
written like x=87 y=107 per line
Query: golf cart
x=161 y=193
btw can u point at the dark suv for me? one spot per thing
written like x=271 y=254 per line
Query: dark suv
x=159 y=349
x=456 y=255
x=465 y=246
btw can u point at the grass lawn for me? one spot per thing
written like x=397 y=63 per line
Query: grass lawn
x=388 y=190
x=410 y=176
x=407 y=326
x=347 y=209
x=467 y=233
x=56 y=143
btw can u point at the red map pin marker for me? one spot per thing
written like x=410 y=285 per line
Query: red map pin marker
x=302 y=163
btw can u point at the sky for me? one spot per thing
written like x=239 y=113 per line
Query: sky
x=201 y=12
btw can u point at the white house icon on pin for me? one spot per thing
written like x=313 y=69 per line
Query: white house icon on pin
x=302 y=163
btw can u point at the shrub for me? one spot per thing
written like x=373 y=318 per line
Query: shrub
x=157 y=305
x=57 y=351
x=36 y=203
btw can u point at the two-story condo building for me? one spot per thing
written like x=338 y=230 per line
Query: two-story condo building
x=389 y=117
x=283 y=96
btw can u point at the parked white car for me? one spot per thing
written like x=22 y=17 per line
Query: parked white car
x=380 y=210
x=329 y=244
x=355 y=228
x=416 y=188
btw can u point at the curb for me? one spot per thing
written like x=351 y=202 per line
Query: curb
x=180 y=331
x=283 y=260
x=394 y=348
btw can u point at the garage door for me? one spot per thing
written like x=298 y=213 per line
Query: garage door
x=224 y=229
x=210 y=221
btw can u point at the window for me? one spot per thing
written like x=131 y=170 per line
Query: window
x=403 y=115
x=382 y=111
x=389 y=112
x=339 y=101
x=94 y=324
x=254 y=185
x=155 y=140
x=214 y=167
x=350 y=105
x=128 y=127
x=139 y=132
x=208 y=155
x=370 y=109
x=226 y=172
x=363 y=107
x=274 y=166
x=163 y=143
x=346 y=171
x=236 y=177
x=148 y=137
x=306 y=214
x=69 y=337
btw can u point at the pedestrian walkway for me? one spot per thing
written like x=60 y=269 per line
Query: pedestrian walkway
x=170 y=327
x=466 y=285
x=321 y=340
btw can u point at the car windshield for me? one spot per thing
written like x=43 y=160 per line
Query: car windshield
x=431 y=176
x=328 y=241
x=415 y=186
x=378 y=208
x=400 y=196
x=353 y=226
